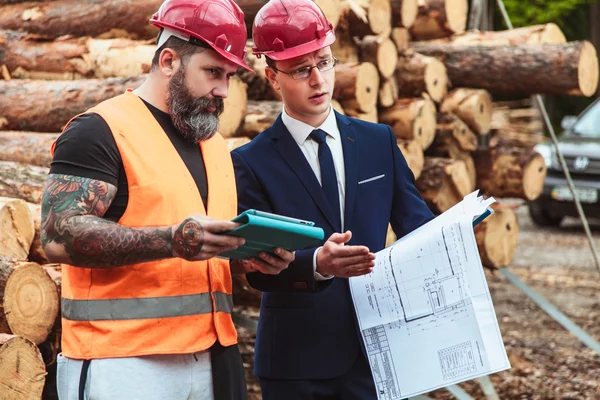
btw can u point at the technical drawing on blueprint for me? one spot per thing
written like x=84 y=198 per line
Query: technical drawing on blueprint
x=425 y=312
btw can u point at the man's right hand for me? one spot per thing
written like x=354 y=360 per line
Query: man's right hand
x=198 y=238
x=337 y=259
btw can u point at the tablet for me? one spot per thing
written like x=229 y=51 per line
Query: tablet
x=266 y=231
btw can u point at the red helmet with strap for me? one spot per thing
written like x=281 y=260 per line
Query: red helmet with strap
x=285 y=29
x=218 y=23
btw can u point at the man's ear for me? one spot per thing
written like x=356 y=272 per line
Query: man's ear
x=169 y=62
x=272 y=77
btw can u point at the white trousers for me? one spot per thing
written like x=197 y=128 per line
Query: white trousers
x=158 y=377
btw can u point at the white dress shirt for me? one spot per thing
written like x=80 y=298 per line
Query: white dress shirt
x=301 y=131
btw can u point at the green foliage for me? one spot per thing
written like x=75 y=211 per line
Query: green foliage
x=533 y=12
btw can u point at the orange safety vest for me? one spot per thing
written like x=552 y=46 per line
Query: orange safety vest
x=171 y=306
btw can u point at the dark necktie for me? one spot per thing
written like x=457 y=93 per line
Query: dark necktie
x=328 y=176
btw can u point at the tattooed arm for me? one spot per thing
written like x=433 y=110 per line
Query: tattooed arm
x=74 y=232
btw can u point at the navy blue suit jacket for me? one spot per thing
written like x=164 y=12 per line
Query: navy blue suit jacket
x=307 y=329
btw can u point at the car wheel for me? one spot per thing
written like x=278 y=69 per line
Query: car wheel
x=541 y=217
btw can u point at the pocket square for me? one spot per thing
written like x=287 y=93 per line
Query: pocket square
x=371 y=179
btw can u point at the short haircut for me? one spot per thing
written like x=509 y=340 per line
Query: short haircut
x=270 y=62
x=183 y=49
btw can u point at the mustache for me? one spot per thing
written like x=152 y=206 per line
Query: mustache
x=204 y=103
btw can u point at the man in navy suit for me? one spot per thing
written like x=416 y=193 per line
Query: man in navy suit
x=344 y=174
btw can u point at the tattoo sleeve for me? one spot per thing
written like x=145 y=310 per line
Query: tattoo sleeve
x=72 y=210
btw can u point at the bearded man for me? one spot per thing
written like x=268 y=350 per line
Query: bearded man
x=140 y=190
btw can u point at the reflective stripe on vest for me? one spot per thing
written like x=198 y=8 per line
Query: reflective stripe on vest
x=144 y=308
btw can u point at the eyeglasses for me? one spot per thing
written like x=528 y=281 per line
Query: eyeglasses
x=304 y=72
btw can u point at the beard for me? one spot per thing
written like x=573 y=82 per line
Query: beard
x=190 y=114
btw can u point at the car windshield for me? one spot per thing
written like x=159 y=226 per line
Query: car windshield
x=589 y=123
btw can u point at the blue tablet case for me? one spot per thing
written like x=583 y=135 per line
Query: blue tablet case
x=265 y=232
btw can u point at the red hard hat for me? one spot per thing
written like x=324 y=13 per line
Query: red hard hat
x=218 y=23
x=285 y=29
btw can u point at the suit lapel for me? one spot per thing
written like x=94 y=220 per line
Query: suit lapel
x=287 y=147
x=350 y=146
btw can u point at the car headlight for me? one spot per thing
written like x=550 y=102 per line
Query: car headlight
x=545 y=152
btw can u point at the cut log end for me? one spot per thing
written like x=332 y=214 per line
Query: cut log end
x=408 y=12
x=387 y=58
x=457 y=12
x=367 y=86
x=379 y=16
x=436 y=80
x=472 y=106
x=31 y=302
x=22 y=369
x=332 y=10
x=497 y=238
x=401 y=38
x=388 y=93
x=534 y=174
x=16 y=229
x=552 y=34
x=425 y=132
x=413 y=153
x=236 y=103
x=588 y=69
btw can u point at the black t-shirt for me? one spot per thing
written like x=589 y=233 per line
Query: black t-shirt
x=88 y=149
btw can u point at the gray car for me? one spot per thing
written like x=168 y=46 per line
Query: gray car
x=580 y=146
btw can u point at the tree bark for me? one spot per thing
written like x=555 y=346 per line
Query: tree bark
x=404 y=13
x=381 y=52
x=236 y=103
x=443 y=183
x=4 y=2
x=440 y=18
x=46 y=106
x=259 y=87
x=536 y=34
x=413 y=153
x=388 y=92
x=472 y=106
x=357 y=86
x=22 y=181
x=508 y=138
x=32 y=300
x=17 y=229
x=22 y=369
x=27 y=147
x=260 y=116
x=412 y=119
x=82 y=18
x=497 y=237
x=368 y=17
x=560 y=69
x=510 y=172
x=31 y=57
x=417 y=74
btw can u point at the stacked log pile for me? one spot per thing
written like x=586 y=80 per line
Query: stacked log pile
x=406 y=63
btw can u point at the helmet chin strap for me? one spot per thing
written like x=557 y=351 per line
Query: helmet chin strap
x=167 y=33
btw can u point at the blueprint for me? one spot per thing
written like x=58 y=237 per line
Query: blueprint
x=425 y=312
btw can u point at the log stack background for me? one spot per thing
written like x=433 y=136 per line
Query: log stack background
x=406 y=63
